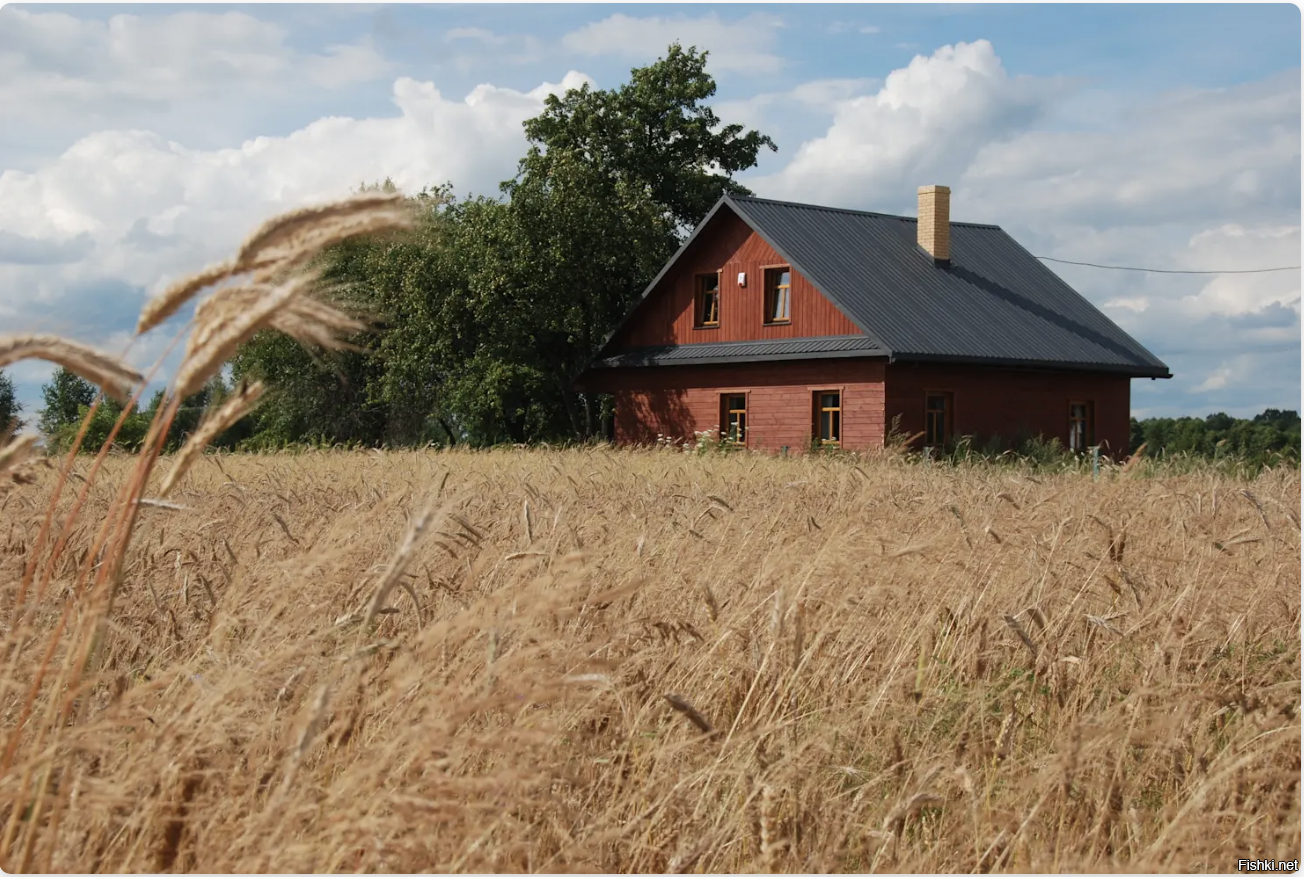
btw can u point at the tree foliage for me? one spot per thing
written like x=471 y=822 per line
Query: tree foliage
x=9 y=407
x=66 y=398
x=1272 y=434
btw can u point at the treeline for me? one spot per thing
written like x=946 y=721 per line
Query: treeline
x=1272 y=435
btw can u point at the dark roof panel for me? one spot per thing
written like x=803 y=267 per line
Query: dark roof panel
x=993 y=301
x=826 y=347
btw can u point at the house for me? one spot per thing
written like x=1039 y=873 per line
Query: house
x=787 y=325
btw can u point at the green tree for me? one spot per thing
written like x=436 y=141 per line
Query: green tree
x=9 y=407
x=66 y=397
x=655 y=134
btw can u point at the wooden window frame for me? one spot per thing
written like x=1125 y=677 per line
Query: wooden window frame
x=765 y=294
x=699 y=293
x=1089 y=431
x=948 y=417
x=725 y=411
x=818 y=409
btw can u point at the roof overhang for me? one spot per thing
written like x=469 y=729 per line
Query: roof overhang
x=736 y=352
x=1129 y=370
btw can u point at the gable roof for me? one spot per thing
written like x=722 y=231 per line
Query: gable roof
x=993 y=303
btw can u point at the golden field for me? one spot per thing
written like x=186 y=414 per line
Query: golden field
x=625 y=661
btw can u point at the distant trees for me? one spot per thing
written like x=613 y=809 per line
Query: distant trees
x=68 y=399
x=1271 y=434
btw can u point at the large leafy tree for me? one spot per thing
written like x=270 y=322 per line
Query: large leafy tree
x=612 y=181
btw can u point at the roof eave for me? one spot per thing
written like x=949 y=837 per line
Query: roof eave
x=1130 y=370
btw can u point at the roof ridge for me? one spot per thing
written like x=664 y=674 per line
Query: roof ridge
x=874 y=213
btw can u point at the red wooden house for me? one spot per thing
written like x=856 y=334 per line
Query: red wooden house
x=783 y=325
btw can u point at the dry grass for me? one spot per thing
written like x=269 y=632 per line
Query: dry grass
x=652 y=661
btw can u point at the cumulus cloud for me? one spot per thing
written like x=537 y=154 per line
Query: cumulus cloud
x=928 y=120
x=65 y=73
x=744 y=46
x=138 y=209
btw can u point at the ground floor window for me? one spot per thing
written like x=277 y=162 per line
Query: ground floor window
x=937 y=418
x=733 y=418
x=1082 y=426
x=828 y=417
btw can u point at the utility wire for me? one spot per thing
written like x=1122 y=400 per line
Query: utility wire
x=1166 y=271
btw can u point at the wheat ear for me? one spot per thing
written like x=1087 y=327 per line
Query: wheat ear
x=206 y=359
x=397 y=564
x=236 y=406
x=116 y=378
x=279 y=231
x=16 y=453
x=170 y=300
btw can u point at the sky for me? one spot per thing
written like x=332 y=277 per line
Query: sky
x=141 y=142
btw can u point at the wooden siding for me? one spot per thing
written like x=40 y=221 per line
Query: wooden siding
x=680 y=401
x=1011 y=404
x=728 y=245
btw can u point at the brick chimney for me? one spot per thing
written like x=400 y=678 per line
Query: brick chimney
x=935 y=221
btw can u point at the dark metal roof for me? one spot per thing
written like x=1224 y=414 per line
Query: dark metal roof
x=992 y=303
x=826 y=347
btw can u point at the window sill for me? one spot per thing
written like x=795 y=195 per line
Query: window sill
x=778 y=323
x=707 y=326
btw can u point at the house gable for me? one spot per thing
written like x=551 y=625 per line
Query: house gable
x=726 y=244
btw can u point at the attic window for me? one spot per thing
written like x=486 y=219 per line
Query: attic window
x=778 y=295
x=707 y=302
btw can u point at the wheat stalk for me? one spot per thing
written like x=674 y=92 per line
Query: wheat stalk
x=113 y=376
x=236 y=406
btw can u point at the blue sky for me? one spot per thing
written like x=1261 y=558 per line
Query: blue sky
x=141 y=142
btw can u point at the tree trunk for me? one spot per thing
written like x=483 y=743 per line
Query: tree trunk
x=452 y=439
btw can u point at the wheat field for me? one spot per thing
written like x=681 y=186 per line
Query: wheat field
x=632 y=661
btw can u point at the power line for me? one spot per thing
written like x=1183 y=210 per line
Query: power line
x=1167 y=271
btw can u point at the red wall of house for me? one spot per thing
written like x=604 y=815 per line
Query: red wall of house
x=681 y=400
x=666 y=316
x=1011 y=403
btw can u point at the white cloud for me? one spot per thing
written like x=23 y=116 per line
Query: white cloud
x=745 y=45
x=871 y=29
x=135 y=209
x=57 y=67
x=1232 y=247
x=1137 y=304
x=926 y=121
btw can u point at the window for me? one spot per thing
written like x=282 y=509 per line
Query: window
x=778 y=295
x=1082 y=432
x=937 y=418
x=828 y=417
x=707 y=304
x=733 y=418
